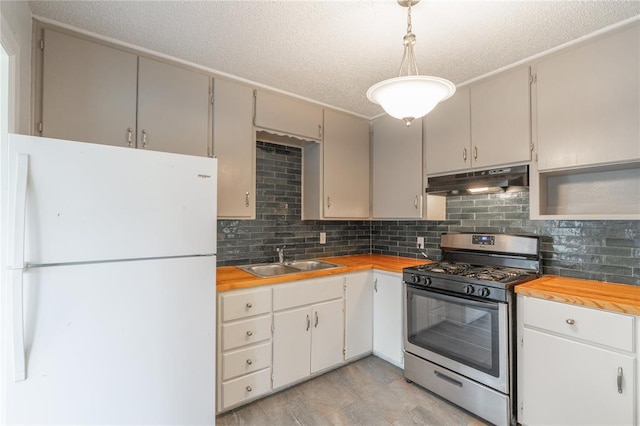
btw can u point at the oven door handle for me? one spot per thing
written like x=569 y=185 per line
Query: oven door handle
x=455 y=299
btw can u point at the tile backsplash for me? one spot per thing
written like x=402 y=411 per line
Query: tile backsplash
x=600 y=250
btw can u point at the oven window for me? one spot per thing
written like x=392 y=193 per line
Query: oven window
x=457 y=328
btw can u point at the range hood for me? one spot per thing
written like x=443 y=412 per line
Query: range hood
x=481 y=182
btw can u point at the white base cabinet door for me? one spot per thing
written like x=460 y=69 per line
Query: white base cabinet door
x=326 y=335
x=571 y=383
x=387 y=318
x=358 y=315
x=291 y=346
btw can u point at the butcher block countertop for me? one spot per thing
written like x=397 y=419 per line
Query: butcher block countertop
x=232 y=278
x=593 y=294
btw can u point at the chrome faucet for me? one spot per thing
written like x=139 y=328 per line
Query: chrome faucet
x=280 y=251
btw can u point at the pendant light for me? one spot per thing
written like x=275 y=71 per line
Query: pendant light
x=410 y=96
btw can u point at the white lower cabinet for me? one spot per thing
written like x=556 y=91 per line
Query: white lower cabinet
x=358 y=315
x=577 y=365
x=309 y=338
x=387 y=317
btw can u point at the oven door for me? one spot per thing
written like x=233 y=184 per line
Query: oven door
x=463 y=335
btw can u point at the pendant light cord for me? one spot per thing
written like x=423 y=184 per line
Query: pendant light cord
x=409 y=41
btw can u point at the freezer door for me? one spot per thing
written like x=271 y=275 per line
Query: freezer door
x=118 y=343
x=90 y=202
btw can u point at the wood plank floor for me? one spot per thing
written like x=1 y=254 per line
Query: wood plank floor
x=366 y=392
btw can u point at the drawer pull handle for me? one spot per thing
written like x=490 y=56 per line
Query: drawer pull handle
x=249 y=388
x=249 y=306
x=308 y=322
x=249 y=333
x=571 y=321
x=619 y=379
x=316 y=319
x=249 y=362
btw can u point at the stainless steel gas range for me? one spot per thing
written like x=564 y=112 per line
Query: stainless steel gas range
x=459 y=329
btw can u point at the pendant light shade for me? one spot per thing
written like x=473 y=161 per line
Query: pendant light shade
x=412 y=95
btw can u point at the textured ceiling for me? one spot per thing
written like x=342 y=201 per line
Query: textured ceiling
x=332 y=51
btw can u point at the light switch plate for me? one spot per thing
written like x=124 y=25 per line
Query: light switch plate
x=323 y=238
x=420 y=242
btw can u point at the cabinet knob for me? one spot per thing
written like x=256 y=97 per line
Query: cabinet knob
x=249 y=362
x=144 y=138
x=570 y=321
x=129 y=137
x=246 y=199
x=249 y=388
x=249 y=333
x=249 y=306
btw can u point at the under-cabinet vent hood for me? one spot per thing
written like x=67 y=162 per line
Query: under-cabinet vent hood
x=481 y=182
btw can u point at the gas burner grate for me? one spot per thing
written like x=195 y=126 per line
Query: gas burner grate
x=447 y=268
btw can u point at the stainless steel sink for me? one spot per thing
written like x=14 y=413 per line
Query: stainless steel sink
x=264 y=270
x=312 y=265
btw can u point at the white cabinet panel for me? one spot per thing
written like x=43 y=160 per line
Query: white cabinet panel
x=291 y=346
x=244 y=304
x=306 y=292
x=448 y=134
x=244 y=361
x=345 y=166
x=588 y=103
x=246 y=388
x=234 y=145
x=387 y=317
x=501 y=119
x=173 y=108
x=570 y=383
x=397 y=169
x=358 y=314
x=247 y=332
x=288 y=115
x=88 y=91
x=327 y=335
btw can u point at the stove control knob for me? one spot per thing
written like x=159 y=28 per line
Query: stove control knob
x=469 y=289
x=415 y=279
x=427 y=281
x=485 y=292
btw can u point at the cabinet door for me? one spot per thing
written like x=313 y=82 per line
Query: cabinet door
x=288 y=115
x=88 y=91
x=588 y=103
x=358 y=315
x=501 y=119
x=327 y=335
x=387 y=317
x=448 y=134
x=397 y=169
x=291 y=346
x=571 y=383
x=173 y=109
x=234 y=145
x=346 y=166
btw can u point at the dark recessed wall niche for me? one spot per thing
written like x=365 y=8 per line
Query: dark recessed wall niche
x=278 y=223
x=599 y=250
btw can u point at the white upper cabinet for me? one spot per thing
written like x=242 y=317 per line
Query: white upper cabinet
x=483 y=125
x=287 y=115
x=95 y=93
x=173 y=108
x=345 y=166
x=588 y=103
x=448 y=134
x=88 y=91
x=234 y=145
x=501 y=119
x=397 y=169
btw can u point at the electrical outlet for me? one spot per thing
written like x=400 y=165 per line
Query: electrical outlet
x=323 y=238
x=420 y=242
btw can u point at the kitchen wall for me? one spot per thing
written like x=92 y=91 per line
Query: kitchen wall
x=600 y=250
x=278 y=218
x=15 y=29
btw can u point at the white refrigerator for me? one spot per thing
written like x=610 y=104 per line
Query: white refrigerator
x=108 y=285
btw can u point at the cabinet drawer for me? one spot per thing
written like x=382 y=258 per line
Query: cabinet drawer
x=592 y=325
x=307 y=292
x=244 y=304
x=245 y=361
x=246 y=332
x=246 y=387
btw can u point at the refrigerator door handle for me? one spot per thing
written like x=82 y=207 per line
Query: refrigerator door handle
x=17 y=237
x=17 y=306
x=17 y=231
